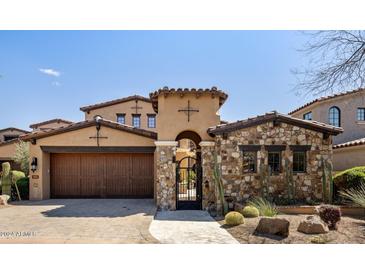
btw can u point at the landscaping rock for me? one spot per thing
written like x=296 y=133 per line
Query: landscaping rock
x=4 y=199
x=313 y=225
x=273 y=226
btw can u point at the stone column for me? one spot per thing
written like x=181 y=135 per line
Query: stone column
x=165 y=175
x=209 y=199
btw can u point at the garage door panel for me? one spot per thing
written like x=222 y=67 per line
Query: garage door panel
x=102 y=175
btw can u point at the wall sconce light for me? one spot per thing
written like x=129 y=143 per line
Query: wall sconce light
x=34 y=164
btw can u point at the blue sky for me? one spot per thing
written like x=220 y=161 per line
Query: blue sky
x=50 y=74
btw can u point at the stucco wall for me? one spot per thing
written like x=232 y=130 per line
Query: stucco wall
x=171 y=122
x=348 y=105
x=242 y=186
x=7 y=151
x=110 y=112
x=39 y=187
x=344 y=158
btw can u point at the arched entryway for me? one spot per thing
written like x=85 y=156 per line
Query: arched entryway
x=188 y=171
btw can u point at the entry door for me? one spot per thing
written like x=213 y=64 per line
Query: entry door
x=188 y=184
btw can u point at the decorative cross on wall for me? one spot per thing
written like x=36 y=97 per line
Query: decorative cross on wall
x=136 y=108
x=98 y=137
x=188 y=110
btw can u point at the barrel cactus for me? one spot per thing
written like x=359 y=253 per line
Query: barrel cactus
x=234 y=218
x=250 y=212
x=6 y=179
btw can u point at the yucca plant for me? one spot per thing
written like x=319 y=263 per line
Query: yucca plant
x=264 y=206
x=355 y=195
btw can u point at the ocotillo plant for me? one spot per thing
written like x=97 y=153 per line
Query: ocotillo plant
x=6 y=179
x=218 y=181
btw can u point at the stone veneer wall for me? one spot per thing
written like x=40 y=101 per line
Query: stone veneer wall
x=165 y=175
x=241 y=186
x=208 y=185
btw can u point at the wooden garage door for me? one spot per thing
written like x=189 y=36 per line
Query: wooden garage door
x=102 y=175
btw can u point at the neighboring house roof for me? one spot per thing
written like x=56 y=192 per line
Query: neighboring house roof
x=57 y=120
x=114 y=102
x=88 y=123
x=324 y=98
x=166 y=91
x=9 y=142
x=357 y=142
x=277 y=117
x=13 y=128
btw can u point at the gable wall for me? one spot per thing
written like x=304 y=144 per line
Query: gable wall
x=51 y=125
x=110 y=112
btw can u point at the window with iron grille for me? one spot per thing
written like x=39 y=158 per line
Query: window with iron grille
x=136 y=120
x=299 y=162
x=274 y=161
x=307 y=116
x=151 y=120
x=10 y=137
x=334 y=116
x=121 y=118
x=361 y=114
x=249 y=161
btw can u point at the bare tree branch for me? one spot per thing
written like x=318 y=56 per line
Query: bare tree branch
x=336 y=62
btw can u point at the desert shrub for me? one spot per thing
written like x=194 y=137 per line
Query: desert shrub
x=331 y=215
x=23 y=186
x=234 y=218
x=22 y=156
x=355 y=195
x=348 y=179
x=16 y=175
x=264 y=206
x=250 y=212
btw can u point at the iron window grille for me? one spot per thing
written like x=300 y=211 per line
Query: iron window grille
x=361 y=114
x=249 y=164
x=136 y=120
x=151 y=120
x=274 y=161
x=334 y=116
x=299 y=162
x=307 y=116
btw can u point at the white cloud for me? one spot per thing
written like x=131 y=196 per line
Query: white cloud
x=50 y=72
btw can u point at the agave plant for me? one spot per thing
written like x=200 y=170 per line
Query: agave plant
x=355 y=195
x=264 y=206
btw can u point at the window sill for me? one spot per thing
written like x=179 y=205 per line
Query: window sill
x=360 y=122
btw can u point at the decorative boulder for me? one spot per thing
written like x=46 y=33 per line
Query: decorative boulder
x=273 y=226
x=4 y=199
x=313 y=225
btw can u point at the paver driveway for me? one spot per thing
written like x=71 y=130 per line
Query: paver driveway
x=78 y=221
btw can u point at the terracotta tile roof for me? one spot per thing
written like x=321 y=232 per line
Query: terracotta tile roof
x=324 y=98
x=116 y=101
x=275 y=116
x=13 y=128
x=88 y=123
x=357 y=142
x=57 y=120
x=214 y=91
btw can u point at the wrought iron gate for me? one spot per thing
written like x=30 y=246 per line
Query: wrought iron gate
x=188 y=184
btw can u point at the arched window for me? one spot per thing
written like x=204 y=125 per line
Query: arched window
x=334 y=116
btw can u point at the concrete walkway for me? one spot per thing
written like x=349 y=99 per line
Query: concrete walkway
x=188 y=227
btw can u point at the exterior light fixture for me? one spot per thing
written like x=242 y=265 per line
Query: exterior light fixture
x=34 y=164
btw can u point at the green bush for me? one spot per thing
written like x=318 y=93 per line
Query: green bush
x=16 y=175
x=234 y=218
x=264 y=206
x=23 y=186
x=349 y=178
x=250 y=212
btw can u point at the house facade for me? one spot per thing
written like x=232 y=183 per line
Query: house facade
x=169 y=147
x=346 y=110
